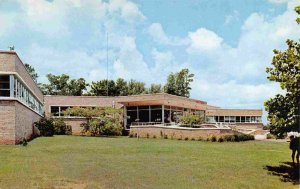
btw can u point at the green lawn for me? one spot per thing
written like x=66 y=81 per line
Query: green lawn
x=87 y=162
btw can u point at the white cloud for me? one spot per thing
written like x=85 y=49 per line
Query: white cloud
x=231 y=18
x=203 y=40
x=158 y=34
x=7 y=22
x=278 y=1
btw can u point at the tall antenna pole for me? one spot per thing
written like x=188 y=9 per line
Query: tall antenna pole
x=106 y=63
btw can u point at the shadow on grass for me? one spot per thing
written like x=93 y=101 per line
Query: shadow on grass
x=287 y=171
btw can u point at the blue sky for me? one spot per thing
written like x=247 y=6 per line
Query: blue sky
x=227 y=44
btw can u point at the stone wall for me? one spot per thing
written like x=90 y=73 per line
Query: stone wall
x=7 y=122
x=179 y=133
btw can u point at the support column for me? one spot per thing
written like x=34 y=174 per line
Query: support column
x=149 y=113
x=11 y=85
x=163 y=114
x=125 y=117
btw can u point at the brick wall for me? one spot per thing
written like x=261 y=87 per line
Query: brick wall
x=176 y=133
x=75 y=124
x=7 y=122
x=24 y=122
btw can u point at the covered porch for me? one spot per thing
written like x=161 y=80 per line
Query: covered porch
x=158 y=109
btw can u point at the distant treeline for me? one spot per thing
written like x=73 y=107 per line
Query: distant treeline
x=177 y=84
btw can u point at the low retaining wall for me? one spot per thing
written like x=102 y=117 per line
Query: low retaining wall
x=179 y=133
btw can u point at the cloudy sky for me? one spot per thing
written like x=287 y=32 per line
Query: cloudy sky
x=227 y=44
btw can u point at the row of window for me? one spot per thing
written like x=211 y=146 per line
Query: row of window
x=10 y=86
x=234 y=119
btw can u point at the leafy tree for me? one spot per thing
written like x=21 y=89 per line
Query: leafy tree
x=284 y=110
x=100 y=88
x=121 y=87
x=136 y=87
x=179 y=83
x=191 y=119
x=61 y=85
x=170 y=86
x=31 y=72
x=155 y=88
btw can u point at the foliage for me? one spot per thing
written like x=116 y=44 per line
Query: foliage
x=136 y=87
x=191 y=119
x=60 y=127
x=62 y=85
x=213 y=139
x=31 y=72
x=179 y=83
x=155 y=88
x=270 y=136
x=284 y=110
x=45 y=127
x=99 y=121
x=238 y=137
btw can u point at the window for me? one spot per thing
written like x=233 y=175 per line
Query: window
x=221 y=118
x=4 y=86
x=210 y=119
x=54 y=110
x=232 y=119
x=247 y=119
x=237 y=119
x=243 y=119
x=227 y=119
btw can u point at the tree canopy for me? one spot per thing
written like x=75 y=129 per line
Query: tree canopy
x=179 y=83
x=31 y=72
x=62 y=85
x=284 y=110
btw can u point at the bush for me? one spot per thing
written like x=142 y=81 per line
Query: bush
x=270 y=136
x=200 y=139
x=266 y=127
x=147 y=135
x=192 y=139
x=45 y=126
x=213 y=139
x=238 y=137
x=154 y=136
x=220 y=139
x=165 y=136
x=186 y=138
x=61 y=128
x=191 y=119
x=131 y=135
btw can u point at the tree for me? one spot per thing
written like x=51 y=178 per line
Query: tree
x=121 y=87
x=61 y=85
x=100 y=88
x=136 y=87
x=155 y=88
x=31 y=72
x=284 y=110
x=179 y=83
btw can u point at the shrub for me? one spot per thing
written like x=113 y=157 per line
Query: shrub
x=229 y=138
x=191 y=119
x=186 y=138
x=270 y=136
x=192 y=139
x=154 y=136
x=45 y=126
x=220 y=139
x=238 y=137
x=165 y=136
x=147 y=135
x=24 y=142
x=266 y=127
x=179 y=139
x=61 y=128
x=213 y=139
x=111 y=129
x=131 y=135
x=200 y=139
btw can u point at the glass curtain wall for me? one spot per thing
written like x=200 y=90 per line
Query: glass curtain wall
x=233 y=119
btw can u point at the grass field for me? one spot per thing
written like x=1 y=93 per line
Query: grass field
x=86 y=162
